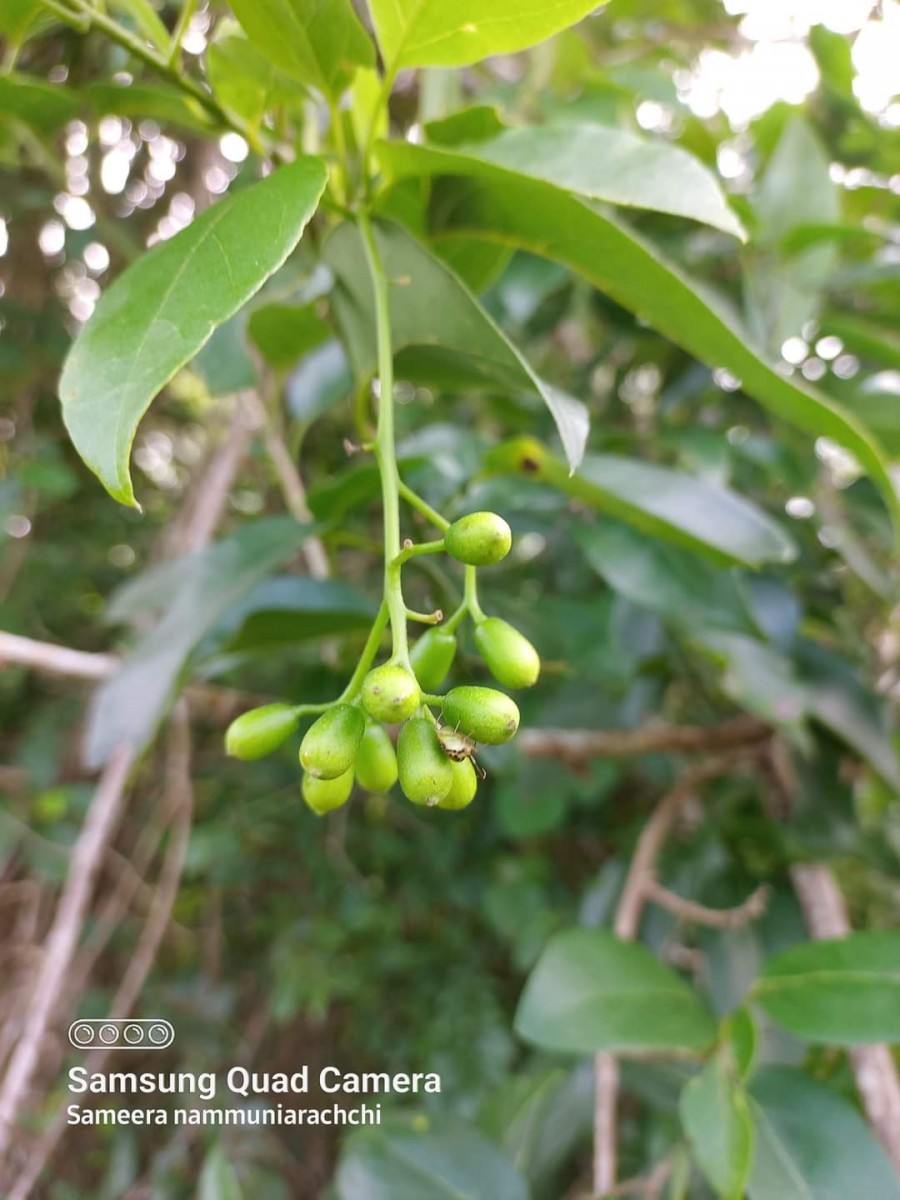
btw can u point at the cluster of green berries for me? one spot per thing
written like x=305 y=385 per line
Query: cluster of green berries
x=433 y=759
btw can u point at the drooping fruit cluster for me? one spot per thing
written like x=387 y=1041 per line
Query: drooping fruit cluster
x=438 y=736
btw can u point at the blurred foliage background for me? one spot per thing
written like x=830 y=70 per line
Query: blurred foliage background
x=387 y=938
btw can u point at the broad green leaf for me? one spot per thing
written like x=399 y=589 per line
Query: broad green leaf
x=852 y=712
x=759 y=678
x=845 y=991
x=811 y=1144
x=201 y=590
x=44 y=106
x=164 y=104
x=243 y=79
x=293 y=608
x=164 y=307
x=679 y=586
x=283 y=333
x=590 y=991
x=441 y=334
x=796 y=189
x=320 y=43
x=601 y=162
x=19 y=18
x=435 y=33
x=656 y=500
x=441 y=1160
x=716 y=1118
x=499 y=205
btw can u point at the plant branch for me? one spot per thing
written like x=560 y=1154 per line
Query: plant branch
x=700 y=914
x=61 y=943
x=385 y=449
x=626 y=924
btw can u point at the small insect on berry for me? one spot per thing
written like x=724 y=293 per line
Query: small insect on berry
x=455 y=745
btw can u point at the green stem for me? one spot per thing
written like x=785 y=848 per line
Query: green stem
x=409 y=552
x=373 y=641
x=381 y=102
x=471 y=595
x=455 y=619
x=385 y=449
x=188 y=8
x=414 y=500
x=340 y=145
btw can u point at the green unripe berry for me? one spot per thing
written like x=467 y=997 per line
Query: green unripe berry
x=330 y=745
x=480 y=539
x=464 y=786
x=390 y=694
x=426 y=773
x=325 y=795
x=484 y=714
x=256 y=733
x=432 y=657
x=510 y=657
x=376 y=762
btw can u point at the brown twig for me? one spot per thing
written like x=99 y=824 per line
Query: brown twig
x=873 y=1066
x=700 y=914
x=178 y=799
x=59 y=949
x=626 y=924
x=575 y=747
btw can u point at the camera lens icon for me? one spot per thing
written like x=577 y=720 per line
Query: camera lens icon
x=151 y=1033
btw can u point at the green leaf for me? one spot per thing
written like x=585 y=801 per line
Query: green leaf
x=845 y=991
x=163 y=308
x=656 y=500
x=601 y=162
x=243 y=79
x=796 y=190
x=320 y=43
x=812 y=1145
x=293 y=608
x=166 y=105
x=679 y=586
x=18 y=19
x=441 y=333
x=717 y=1121
x=44 y=106
x=197 y=592
x=590 y=991
x=448 y=1161
x=852 y=712
x=761 y=679
x=502 y=206
x=284 y=333
x=434 y=33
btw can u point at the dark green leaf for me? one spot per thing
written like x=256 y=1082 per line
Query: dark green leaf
x=283 y=333
x=679 y=586
x=294 y=608
x=812 y=1145
x=440 y=331
x=590 y=991
x=44 y=106
x=845 y=991
x=164 y=307
x=423 y=33
x=441 y=1161
x=717 y=1121
x=761 y=679
x=499 y=205
x=201 y=590
x=320 y=43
